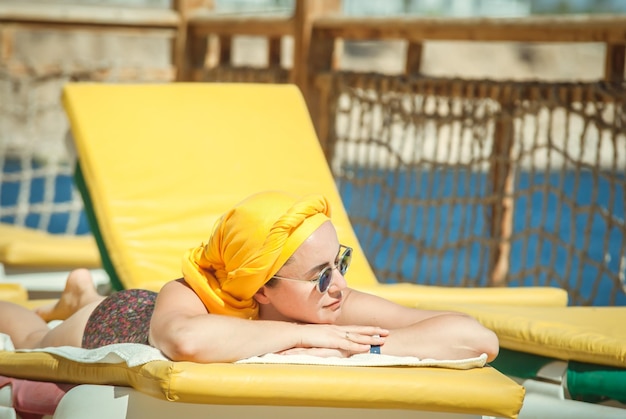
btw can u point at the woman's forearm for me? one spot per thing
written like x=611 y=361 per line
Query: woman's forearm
x=448 y=336
x=215 y=338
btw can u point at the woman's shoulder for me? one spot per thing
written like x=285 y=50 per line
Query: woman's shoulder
x=178 y=289
x=176 y=284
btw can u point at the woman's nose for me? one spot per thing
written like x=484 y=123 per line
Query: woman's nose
x=337 y=282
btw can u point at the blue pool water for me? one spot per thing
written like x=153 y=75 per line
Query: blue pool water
x=571 y=243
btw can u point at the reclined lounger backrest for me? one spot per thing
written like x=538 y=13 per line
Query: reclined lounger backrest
x=162 y=162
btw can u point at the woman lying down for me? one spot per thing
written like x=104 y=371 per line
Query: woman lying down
x=270 y=279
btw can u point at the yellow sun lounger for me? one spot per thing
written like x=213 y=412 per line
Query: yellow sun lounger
x=157 y=165
x=22 y=247
x=571 y=360
x=39 y=261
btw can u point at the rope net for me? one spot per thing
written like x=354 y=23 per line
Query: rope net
x=36 y=156
x=481 y=183
x=238 y=74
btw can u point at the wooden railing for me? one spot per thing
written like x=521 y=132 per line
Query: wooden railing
x=416 y=31
x=316 y=26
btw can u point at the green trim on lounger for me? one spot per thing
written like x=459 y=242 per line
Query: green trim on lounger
x=585 y=382
x=595 y=383
x=519 y=364
x=79 y=180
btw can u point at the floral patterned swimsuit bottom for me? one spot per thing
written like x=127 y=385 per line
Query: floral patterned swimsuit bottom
x=123 y=317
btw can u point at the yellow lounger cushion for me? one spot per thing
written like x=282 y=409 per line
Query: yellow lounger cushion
x=594 y=335
x=17 y=293
x=162 y=162
x=13 y=292
x=484 y=390
x=27 y=247
x=413 y=295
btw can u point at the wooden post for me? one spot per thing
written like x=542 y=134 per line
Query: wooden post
x=274 y=49
x=6 y=44
x=226 y=47
x=502 y=180
x=614 y=59
x=312 y=55
x=413 y=58
x=305 y=13
x=186 y=50
x=320 y=60
x=195 y=55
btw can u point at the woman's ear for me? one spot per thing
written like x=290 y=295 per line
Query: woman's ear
x=261 y=297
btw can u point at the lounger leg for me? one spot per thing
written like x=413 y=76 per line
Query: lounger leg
x=546 y=401
x=6 y=404
x=93 y=401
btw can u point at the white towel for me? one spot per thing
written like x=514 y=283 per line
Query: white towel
x=369 y=360
x=6 y=344
x=134 y=354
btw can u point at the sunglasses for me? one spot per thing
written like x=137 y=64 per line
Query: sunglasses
x=326 y=275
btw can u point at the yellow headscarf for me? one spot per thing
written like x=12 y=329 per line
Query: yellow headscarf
x=249 y=244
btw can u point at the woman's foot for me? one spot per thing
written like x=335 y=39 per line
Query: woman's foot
x=79 y=291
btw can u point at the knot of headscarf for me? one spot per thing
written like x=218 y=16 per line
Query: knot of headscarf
x=249 y=244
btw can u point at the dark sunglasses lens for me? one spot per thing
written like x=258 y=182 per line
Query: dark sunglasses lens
x=344 y=262
x=325 y=278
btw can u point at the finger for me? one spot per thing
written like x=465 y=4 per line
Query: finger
x=364 y=339
x=366 y=330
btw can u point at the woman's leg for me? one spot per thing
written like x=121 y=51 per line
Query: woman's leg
x=29 y=329
x=25 y=328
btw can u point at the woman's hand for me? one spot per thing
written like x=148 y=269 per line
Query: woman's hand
x=332 y=340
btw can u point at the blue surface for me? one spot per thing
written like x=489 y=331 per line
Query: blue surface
x=587 y=239
x=63 y=192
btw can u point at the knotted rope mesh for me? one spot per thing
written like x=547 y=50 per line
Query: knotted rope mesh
x=238 y=74
x=484 y=183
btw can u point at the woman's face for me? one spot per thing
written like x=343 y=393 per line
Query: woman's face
x=300 y=300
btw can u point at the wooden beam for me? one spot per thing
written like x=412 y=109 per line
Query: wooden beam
x=79 y=72
x=88 y=16
x=596 y=28
x=204 y=23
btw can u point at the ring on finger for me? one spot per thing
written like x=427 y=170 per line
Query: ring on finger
x=348 y=335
